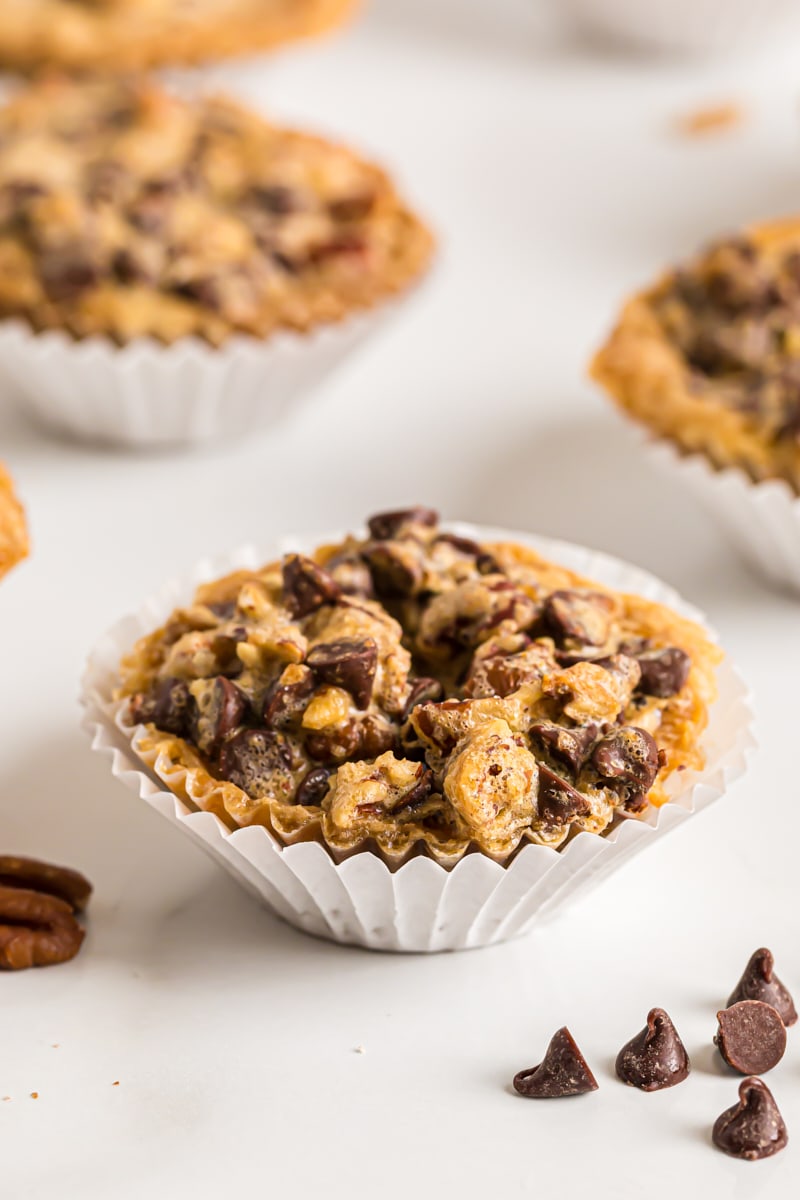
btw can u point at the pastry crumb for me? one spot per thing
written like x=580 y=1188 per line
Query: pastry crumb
x=34 y=1095
x=360 y=1050
x=115 y=1083
x=710 y=119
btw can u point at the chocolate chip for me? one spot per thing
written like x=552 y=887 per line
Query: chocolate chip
x=656 y=1058
x=285 y=703
x=562 y=1072
x=393 y=573
x=569 y=746
x=169 y=706
x=351 y=574
x=67 y=272
x=559 y=802
x=753 y=1128
x=628 y=755
x=759 y=982
x=751 y=1037
x=352 y=208
x=314 y=787
x=348 y=663
x=336 y=744
x=128 y=267
x=664 y=672
x=387 y=525
x=423 y=691
x=306 y=586
x=259 y=762
x=204 y=290
x=583 y=616
x=345 y=242
x=275 y=198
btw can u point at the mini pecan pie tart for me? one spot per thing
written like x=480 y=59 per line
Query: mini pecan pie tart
x=13 y=530
x=710 y=357
x=113 y=34
x=125 y=211
x=413 y=689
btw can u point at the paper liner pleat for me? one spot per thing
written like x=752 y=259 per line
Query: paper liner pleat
x=420 y=906
x=145 y=394
x=762 y=520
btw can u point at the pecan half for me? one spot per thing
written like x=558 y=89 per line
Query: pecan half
x=36 y=876
x=36 y=930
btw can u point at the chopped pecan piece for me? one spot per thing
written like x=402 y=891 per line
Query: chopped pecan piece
x=498 y=674
x=492 y=783
x=36 y=876
x=471 y=612
x=363 y=795
x=423 y=691
x=36 y=929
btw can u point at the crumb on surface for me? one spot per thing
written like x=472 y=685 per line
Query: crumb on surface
x=115 y=1083
x=34 y=1095
x=360 y=1050
x=709 y=119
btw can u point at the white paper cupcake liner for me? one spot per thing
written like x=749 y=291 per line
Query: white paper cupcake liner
x=762 y=520
x=145 y=394
x=421 y=906
x=688 y=26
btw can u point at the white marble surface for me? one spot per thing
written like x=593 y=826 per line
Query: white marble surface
x=551 y=174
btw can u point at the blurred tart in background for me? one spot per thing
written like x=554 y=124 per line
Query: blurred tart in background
x=13 y=530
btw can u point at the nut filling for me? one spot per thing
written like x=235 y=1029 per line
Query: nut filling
x=414 y=687
x=125 y=211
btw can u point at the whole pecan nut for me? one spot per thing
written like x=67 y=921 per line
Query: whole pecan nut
x=36 y=930
x=61 y=882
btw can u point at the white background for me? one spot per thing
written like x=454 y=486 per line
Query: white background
x=553 y=178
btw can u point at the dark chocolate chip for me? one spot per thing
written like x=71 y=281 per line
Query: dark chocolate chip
x=584 y=616
x=753 y=1128
x=664 y=672
x=349 y=663
x=204 y=290
x=420 y=790
x=335 y=744
x=258 y=761
x=559 y=802
x=275 y=198
x=393 y=573
x=351 y=574
x=169 y=706
x=759 y=982
x=67 y=272
x=486 y=563
x=306 y=586
x=352 y=208
x=285 y=703
x=423 y=691
x=314 y=787
x=562 y=1072
x=751 y=1037
x=384 y=526
x=630 y=755
x=656 y=1058
x=130 y=268
x=569 y=746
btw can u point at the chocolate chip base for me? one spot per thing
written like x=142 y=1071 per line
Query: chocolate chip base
x=710 y=357
x=125 y=211
x=413 y=689
x=13 y=530
x=126 y=34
